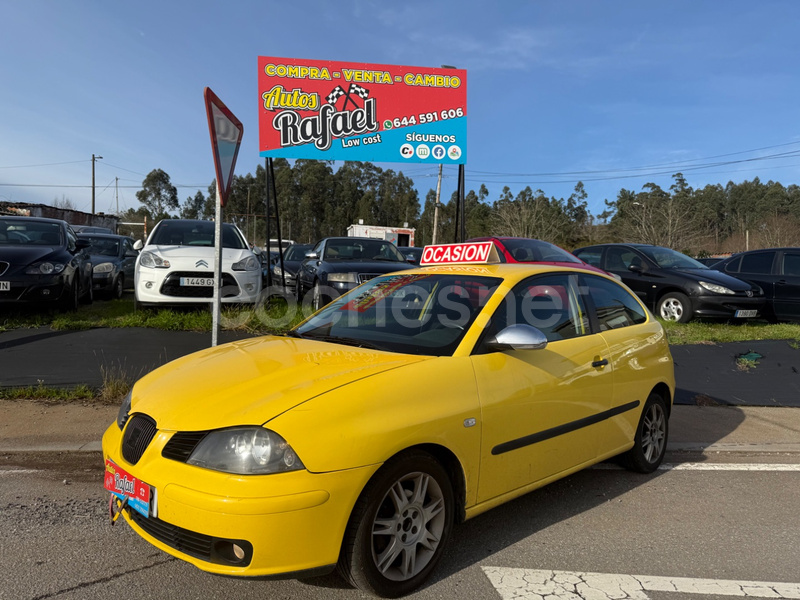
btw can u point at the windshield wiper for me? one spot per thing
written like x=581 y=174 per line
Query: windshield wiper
x=344 y=341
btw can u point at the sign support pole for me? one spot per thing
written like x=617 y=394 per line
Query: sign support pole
x=277 y=221
x=217 y=300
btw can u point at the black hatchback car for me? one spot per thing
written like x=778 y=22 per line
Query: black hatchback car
x=337 y=265
x=113 y=261
x=777 y=272
x=674 y=286
x=43 y=261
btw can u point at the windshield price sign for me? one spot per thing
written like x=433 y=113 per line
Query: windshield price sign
x=363 y=112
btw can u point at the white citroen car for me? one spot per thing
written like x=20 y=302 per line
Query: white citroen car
x=176 y=265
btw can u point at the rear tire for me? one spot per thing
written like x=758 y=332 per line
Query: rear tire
x=650 y=443
x=675 y=306
x=399 y=527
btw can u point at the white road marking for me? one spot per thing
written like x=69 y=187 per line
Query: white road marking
x=17 y=471
x=530 y=584
x=689 y=466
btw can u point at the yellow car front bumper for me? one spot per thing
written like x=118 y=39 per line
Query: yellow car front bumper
x=290 y=522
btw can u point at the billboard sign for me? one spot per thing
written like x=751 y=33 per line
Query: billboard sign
x=330 y=110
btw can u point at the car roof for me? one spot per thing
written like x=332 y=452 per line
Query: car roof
x=37 y=219
x=113 y=236
x=511 y=272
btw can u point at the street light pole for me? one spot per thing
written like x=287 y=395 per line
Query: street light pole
x=94 y=158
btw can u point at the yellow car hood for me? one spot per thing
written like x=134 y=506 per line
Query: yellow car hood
x=252 y=381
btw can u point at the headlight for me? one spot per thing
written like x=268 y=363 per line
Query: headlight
x=45 y=268
x=245 y=451
x=149 y=259
x=103 y=268
x=246 y=264
x=717 y=289
x=343 y=277
x=277 y=271
x=124 y=411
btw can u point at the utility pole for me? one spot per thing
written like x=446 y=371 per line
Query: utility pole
x=94 y=158
x=436 y=206
x=116 y=192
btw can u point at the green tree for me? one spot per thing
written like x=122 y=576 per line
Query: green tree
x=158 y=194
x=193 y=207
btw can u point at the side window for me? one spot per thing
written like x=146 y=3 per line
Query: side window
x=615 y=306
x=71 y=239
x=733 y=266
x=791 y=264
x=551 y=303
x=591 y=256
x=619 y=259
x=759 y=263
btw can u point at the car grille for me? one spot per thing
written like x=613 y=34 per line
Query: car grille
x=362 y=277
x=192 y=543
x=3 y=266
x=172 y=285
x=139 y=432
x=181 y=445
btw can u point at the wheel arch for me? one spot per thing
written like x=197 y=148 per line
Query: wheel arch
x=662 y=389
x=669 y=290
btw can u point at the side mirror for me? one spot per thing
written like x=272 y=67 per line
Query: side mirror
x=636 y=268
x=312 y=255
x=131 y=254
x=138 y=245
x=82 y=244
x=517 y=337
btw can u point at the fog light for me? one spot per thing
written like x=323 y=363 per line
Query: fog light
x=148 y=285
x=238 y=551
x=45 y=292
x=249 y=287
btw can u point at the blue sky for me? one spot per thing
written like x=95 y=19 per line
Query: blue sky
x=615 y=94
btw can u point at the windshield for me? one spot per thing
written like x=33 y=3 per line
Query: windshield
x=102 y=246
x=359 y=249
x=667 y=258
x=195 y=233
x=416 y=314
x=525 y=250
x=29 y=233
x=296 y=252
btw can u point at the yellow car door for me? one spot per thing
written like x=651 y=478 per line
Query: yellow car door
x=540 y=408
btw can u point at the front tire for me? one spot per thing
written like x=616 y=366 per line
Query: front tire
x=117 y=287
x=399 y=527
x=675 y=306
x=650 y=443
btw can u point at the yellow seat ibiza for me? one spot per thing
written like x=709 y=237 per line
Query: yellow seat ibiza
x=418 y=400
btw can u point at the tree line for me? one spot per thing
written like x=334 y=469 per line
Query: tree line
x=316 y=201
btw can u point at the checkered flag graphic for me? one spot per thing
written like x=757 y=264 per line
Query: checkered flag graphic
x=337 y=93
x=361 y=92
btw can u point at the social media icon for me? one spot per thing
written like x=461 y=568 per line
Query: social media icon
x=406 y=150
x=423 y=151
x=438 y=152
x=454 y=152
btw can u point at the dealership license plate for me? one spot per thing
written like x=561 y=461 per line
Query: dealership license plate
x=5 y=286
x=198 y=281
x=140 y=496
x=746 y=314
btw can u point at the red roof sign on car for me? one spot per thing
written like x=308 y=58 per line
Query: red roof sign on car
x=460 y=254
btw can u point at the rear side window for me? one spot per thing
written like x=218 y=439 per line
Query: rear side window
x=791 y=264
x=759 y=263
x=591 y=256
x=733 y=266
x=614 y=305
x=619 y=259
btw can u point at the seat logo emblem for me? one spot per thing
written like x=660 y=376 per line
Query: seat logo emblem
x=201 y=263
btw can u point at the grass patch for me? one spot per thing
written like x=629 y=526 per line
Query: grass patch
x=703 y=332
x=271 y=318
x=48 y=394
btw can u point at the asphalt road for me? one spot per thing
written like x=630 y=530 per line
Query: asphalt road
x=705 y=374
x=607 y=527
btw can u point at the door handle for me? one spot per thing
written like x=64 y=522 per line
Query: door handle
x=600 y=363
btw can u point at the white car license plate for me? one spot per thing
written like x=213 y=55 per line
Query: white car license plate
x=5 y=286
x=746 y=314
x=198 y=281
